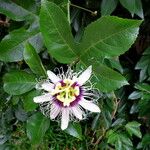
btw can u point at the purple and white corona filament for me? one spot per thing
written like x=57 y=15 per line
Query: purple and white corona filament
x=66 y=95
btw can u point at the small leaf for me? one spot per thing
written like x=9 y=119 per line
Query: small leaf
x=28 y=103
x=21 y=114
x=143 y=87
x=118 y=122
x=11 y=47
x=56 y=32
x=75 y=130
x=36 y=127
x=135 y=95
x=133 y=128
x=33 y=60
x=144 y=106
x=108 y=6
x=18 y=82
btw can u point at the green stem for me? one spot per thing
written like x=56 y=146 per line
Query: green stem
x=68 y=9
x=92 y=12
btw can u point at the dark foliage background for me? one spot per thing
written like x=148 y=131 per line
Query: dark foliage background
x=123 y=124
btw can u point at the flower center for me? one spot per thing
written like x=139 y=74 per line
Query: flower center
x=66 y=91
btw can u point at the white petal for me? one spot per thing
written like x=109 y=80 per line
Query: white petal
x=65 y=118
x=85 y=75
x=47 y=86
x=53 y=77
x=77 y=112
x=42 y=98
x=55 y=110
x=89 y=105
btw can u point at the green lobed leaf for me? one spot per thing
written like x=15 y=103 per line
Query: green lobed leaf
x=13 y=11
x=11 y=47
x=33 y=60
x=133 y=6
x=108 y=6
x=109 y=36
x=56 y=32
x=36 y=127
x=18 y=82
x=75 y=130
x=133 y=128
x=120 y=140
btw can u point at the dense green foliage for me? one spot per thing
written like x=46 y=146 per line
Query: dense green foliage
x=41 y=35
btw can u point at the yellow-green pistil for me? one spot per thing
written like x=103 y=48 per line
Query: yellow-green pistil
x=66 y=93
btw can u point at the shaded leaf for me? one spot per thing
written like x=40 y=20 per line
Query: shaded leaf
x=33 y=60
x=75 y=130
x=143 y=87
x=28 y=103
x=11 y=47
x=108 y=6
x=18 y=82
x=29 y=5
x=13 y=10
x=21 y=114
x=36 y=127
x=134 y=7
x=135 y=95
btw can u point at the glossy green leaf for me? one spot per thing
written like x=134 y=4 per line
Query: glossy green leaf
x=75 y=130
x=134 y=6
x=108 y=6
x=28 y=103
x=114 y=40
x=36 y=127
x=13 y=11
x=18 y=82
x=107 y=43
x=133 y=128
x=105 y=78
x=56 y=32
x=33 y=60
x=11 y=47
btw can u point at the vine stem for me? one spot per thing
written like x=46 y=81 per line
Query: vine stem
x=68 y=9
x=85 y=9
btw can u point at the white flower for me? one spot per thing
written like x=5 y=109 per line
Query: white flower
x=66 y=96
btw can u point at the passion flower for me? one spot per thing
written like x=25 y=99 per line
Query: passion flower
x=66 y=95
